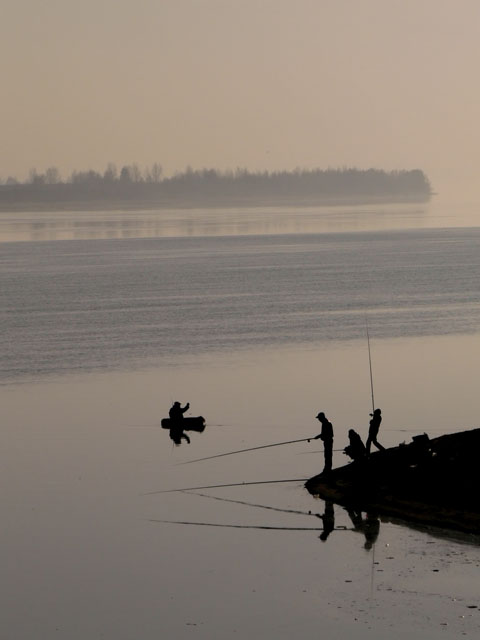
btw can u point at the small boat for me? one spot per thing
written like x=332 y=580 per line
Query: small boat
x=195 y=423
x=432 y=482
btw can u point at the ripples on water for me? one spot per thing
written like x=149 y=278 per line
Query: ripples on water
x=82 y=557
x=100 y=304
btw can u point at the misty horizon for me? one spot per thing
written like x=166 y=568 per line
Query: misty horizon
x=268 y=86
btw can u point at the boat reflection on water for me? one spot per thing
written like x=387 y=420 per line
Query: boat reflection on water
x=177 y=428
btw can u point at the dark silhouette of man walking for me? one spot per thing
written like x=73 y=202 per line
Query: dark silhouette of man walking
x=373 y=431
x=326 y=435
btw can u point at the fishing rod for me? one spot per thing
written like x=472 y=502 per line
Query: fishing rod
x=263 y=446
x=244 y=526
x=218 y=486
x=370 y=363
x=304 y=453
x=231 y=453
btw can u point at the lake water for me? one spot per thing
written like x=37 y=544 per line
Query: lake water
x=258 y=319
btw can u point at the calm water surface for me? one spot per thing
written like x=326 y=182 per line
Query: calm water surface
x=258 y=319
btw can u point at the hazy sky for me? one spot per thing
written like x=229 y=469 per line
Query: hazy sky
x=262 y=84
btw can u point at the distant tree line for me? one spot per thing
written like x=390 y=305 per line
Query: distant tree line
x=191 y=187
x=128 y=174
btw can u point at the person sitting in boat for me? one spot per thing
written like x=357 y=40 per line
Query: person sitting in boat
x=326 y=435
x=176 y=412
x=356 y=449
x=373 y=431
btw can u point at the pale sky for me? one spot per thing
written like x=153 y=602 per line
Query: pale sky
x=262 y=84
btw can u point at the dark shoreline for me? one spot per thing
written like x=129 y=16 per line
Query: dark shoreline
x=427 y=482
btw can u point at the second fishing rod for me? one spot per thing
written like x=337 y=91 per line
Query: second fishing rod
x=264 y=446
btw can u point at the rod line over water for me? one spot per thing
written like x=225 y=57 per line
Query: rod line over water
x=244 y=526
x=263 y=446
x=218 y=486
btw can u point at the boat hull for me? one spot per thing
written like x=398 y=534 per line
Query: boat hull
x=195 y=423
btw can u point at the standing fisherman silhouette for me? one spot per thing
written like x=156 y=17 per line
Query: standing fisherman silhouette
x=373 y=431
x=326 y=435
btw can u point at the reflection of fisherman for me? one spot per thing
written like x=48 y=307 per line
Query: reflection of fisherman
x=373 y=431
x=356 y=449
x=176 y=412
x=176 y=434
x=326 y=435
x=328 y=519
x=371 y=529
x=369 y=526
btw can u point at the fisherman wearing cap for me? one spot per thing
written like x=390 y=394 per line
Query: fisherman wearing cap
x=326 y=435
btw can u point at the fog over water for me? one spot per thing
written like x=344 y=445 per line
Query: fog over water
x=257 y=318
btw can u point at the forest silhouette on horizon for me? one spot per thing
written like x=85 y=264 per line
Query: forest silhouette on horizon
x=149 y=187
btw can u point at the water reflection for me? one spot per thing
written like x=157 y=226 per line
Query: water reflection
x=328 y=519
x=363 y=520
x=369 y=525
x=18 y=226
x=163 y=223
x=177 y=434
